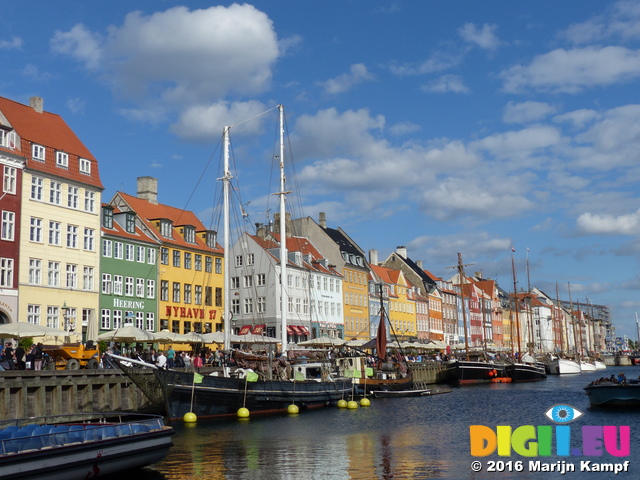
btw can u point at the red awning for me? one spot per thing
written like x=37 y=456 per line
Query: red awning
x=299 y=329
x=258 y=329
x=245 y=329
x=304 y=331
x=291 y=330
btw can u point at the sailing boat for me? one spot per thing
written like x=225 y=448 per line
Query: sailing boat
x=560 y=365
x=384 y=376
x=468 y=371
x=308 y=385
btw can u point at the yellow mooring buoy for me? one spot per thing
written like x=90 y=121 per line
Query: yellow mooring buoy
x=342 y=403
x=365 y=402
x=243 y=412
x=189 y=417
x=293 y=409
x=352 y=404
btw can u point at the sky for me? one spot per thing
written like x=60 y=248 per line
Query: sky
x=464 y=127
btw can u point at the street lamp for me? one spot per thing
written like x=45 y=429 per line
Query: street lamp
x=68 y=327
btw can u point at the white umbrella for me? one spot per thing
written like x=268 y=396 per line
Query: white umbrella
x=165 y=336
x=24 y=330
x=322 y=342
x=214 y=337
x=358 y=342
x=254 y=338
x=127 y=334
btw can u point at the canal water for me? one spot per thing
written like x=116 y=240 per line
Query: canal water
x=402 y=438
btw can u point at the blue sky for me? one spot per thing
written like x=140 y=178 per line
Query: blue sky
x=446 y=127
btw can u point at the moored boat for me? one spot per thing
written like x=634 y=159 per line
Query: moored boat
x=81 y=445
x=366 y=379
x=526 y=372
x=400 y=393
x=587 y=366
x=607 y=394
x=465 y=372
x=600 y=365
x=563 y=366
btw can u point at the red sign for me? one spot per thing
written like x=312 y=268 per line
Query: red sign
x=258 y=329
x=245 y=329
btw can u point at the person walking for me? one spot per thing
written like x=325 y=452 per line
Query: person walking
x=20 y=358
x=38 y=356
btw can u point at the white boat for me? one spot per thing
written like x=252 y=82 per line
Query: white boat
x=587 y=367
x=600 y=365
x=563 y=366
x=81 y=445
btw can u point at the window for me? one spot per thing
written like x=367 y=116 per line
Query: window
x=208 y=300
x=118 y=250
x=189 y=234
x=53 y=275
x=248 y=306
x=198 y=295
x=129 y=252
x=117 y=318
x=261 y=279
x=72 y=236
x=37 y=184
x=151 y=320
x=54 y=233
x=8 y=225
x=72 y=276
x=85 y=166
x=33 y=314
x=89 y=234
x=105 y=319
x=35 y=271
x=9 y=180
x=176 y=292
x=218 y=265
x=140 y=287
x=261 y=306
x=107 y=286
x=151 y=256
x=72 y=197
x=151 y=288
x=218 y=297
x=89 y=201
x=164 y=290
x=130 y=222
x=55 y=192
x=187 y=293
x=52 y=317
x=140 y=254
x=176 y=258
x=87 y=279
x=37 y=152
x=207 y=264
x=107 y=248
x=238 y=260
x=235 y=306
x=235 y=282
x=62 y=159
x=6 y=272
x=166 y=228
x=117 y=284
x=35 y=230
x=248 y=281
x=164 y=256
x=107 y=217
x=187 y=260
x=250 y=258
x=128 y=286
x=198 y=262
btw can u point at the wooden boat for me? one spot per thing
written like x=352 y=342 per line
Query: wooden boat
x=563 y=366
x=607 y=394
x=587 y=366
x=526 y=372
x=400 y=393
x=81 y=445
x=369 y=379
x=466 y=372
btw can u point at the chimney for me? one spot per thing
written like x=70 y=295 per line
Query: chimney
x=323 y=220
x=148 y=189
x=37 y=103
x=402 y=251
x=287 y=223
x=419 y=264
x=373 y=257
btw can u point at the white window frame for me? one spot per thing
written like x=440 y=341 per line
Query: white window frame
x=10 y=179
x=55 y=192
x=89 y=239
x=6 y=272
x=8 y=226
x=72 y=236
x=72 y=196
x=118 y=282
x=53 y=274
x=37 y=186
x=38 y=152
x=85 y=166
x=35 y=230
x=89 y=201
x=62 y=159
x=88 y=278
x=107 y=285
x=72 y=275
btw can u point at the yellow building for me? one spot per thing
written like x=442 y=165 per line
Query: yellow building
x=60 y=221
x=402 y=308
x=190 y=263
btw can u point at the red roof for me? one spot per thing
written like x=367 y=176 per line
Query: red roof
x=53 y=133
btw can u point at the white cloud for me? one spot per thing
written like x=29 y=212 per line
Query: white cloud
x=446 y=83
x=404 y=128
x=523 y=142
x=527 y=112
x=571 y=71
x=628 y=224
x=14 y=44
x=578 y=118
x=484 y=36
x=358 y=73
x=80 y=44
x=437 y=62
x=621 y=19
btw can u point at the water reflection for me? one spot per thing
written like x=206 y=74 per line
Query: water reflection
x=423 y=437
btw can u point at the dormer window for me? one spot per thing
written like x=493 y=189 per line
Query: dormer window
x=189 y=234
x=211 y=239
x=37 y=152
x=62 y=159
x=7 y=137
x=107 y=217
x=166 y=228
x=131 y=222
x=85 y=166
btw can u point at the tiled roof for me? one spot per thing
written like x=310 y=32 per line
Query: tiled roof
x=148 y=211
x=119 y=231
x=53 y=133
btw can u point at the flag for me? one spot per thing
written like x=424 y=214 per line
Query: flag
x=197 y=378
x=513 y=249
x=299 y=376
x=368 y=372
x=252 y=377
x=356 y=373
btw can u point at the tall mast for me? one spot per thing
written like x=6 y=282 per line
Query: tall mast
x=578 y=349
x=284 y=295
x=532 y=337
x=515 y=298
x=563 y=322
x=464 y=312
x=226 y=180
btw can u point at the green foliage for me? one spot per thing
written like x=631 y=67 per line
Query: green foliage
x=26 y=342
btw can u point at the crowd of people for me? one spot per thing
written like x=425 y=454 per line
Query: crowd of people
x=20 y=358
x=171 y=358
